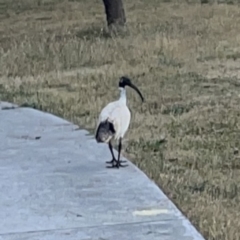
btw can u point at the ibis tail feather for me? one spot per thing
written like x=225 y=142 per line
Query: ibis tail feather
x=105 y=132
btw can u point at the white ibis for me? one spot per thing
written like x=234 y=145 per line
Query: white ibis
x=114 y=121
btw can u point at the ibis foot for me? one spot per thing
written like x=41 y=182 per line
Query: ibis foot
x=116 y=164
x=120 y=165
x=114 y=160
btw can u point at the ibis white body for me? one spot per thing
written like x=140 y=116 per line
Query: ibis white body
x=117 y=114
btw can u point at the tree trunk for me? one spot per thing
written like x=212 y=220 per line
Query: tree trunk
x=115 y=13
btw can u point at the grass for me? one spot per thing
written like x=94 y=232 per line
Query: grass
x=57 y=56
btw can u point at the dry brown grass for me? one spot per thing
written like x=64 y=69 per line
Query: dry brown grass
x=56 y=55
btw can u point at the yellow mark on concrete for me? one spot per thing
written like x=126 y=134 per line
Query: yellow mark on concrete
x=151 y=212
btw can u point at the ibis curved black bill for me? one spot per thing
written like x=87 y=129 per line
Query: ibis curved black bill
x=137 y=90
x=125 y=81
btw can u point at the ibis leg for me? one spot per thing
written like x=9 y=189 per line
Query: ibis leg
x=119 y=154
x=114 y=162
x=111 y=150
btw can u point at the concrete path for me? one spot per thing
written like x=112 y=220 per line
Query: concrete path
x=54 y=186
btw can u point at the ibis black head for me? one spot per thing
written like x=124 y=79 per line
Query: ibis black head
x=125 y=81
